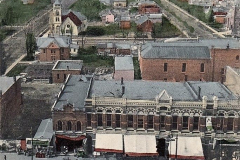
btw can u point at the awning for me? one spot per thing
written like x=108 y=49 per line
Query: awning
x=109 y=143
x=187 y=148
x=140 y=145
x=72 y=138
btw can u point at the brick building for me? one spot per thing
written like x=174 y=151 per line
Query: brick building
x=124 y=68
x=64 y=67
x=125 y=22
x=10 y=103
x=180 y=61
x=53 y=49
x=144 y=24
x=112 y=49
x=148 y=7
x=87 y=106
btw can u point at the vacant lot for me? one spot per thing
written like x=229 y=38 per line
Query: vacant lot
x=37 y=102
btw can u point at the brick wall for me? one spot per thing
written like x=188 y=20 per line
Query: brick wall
x=146 y=26
x=10 y=102
x=128 y=75
x=125 y=24
x=153 y=69
x=59 y=76
x=143 y=9
x=54 y=54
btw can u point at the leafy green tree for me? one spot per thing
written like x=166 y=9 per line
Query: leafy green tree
x=31 y=46
x=9 y=16
x=210 y=17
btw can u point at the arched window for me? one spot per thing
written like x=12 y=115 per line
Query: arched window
x=237 y=57
x=59 y=125
x=57 y=13
x=79 y=127
x=69 y=126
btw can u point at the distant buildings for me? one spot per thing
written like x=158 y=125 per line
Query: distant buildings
x=148 y=7
x=68 y=23
x=113 y=49
x=28 y=1
x=119 y=3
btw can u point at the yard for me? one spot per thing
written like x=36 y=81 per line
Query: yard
x=165 y=30
x=14 y=12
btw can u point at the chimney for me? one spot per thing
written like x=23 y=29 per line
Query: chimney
x=68 y=68
x=14 y=78
x=199 y=92
x=121 y=80
x=123 y=90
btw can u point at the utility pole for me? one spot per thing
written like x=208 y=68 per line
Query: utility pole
x=176 y=146
x=32 y=143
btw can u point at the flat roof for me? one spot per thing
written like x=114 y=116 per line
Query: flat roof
x=124 y=63
x=68 y=65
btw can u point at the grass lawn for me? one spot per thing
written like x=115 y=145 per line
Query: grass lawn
x=19 y=12
x=90 y=8
x=16 y=70
x=165 y=30
x=91 y=59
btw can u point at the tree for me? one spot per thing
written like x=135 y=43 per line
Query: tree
x=9 y=16
x=210 y=17
x=31 y=46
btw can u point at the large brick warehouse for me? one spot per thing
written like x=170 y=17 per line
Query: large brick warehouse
x=204 y=60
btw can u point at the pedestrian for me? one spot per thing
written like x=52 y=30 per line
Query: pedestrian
x=5 y=157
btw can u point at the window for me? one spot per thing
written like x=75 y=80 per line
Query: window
x=162 y=122
x=109 y=120
x=89 y=120
x=230 y=124
x=65 y=76
x=118 y=120
x=237 y=57
x=165 y=67
x=99 y=120
x=62 y=50
x=69 y=126
x=57 y=76
x=195 y=123
x=219 y=120
x=174 y=122
x=184 y=66
x=53 y=58
x=130 y=121
x=185 y=122
x=165 y=79
x=140 y=121
x=59 y=125
x=57 y=13
x=202 y=67
x=79 y=127
x=150 y=121
x=44 y=50
x=68 y=26
x=185 y=78
x=222 y=70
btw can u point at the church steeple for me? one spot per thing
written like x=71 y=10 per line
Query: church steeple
x=57 y=14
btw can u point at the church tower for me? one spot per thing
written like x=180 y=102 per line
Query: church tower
x=57 y=20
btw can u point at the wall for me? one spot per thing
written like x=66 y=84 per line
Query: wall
x=146 y=26
x=233 y=80
x=127 y=75
x=61 y=74
x=153 y=69
x=10 y=102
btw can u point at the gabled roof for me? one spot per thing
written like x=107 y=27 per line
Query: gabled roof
x=6 y=83
x=44 y=42
x=164 y=96
x=142 y=19
x=175 y=52
x=76 y=17
x=45 y=130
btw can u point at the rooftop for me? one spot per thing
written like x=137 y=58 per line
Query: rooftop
x=45 y=130
x=6 y=83
x=124 y=63
x=167 y=51
x=68 y=65
x=44 y=42
x=73 y=92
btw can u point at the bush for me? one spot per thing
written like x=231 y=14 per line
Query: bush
x=95 y=31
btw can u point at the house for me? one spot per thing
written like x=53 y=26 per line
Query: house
x=64 y=67
x=144 y=24
x=220 y=14
x=113 y=49
x=10 y=103
x=148 y=7
x=52 y=49
x=119 y=3
x=124 y=68
x=68 y=23
x=125 y=22
x=92 y=107
x=203 y=60
x=107 y=16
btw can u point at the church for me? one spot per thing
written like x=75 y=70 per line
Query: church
x=68 y=23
